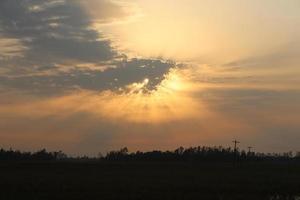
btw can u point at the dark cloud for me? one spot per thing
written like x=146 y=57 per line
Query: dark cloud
x=53 y=31
x=57 y=33
x=124 y=73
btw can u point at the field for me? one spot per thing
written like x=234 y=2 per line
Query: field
x=148 y=180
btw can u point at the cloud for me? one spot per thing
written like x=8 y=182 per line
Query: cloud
x=284 y=56
x=53 y=31
x=105 y=11
x=53 y=48
x=123 y=73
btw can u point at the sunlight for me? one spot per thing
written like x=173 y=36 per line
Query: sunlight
x=173 y=82
x=137 y=87
x=170 y=101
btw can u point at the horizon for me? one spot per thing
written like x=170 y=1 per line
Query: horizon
x=90 y=76
x=127 y=152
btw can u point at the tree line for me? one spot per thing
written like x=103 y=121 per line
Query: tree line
x=200 y=153
x=42 y=155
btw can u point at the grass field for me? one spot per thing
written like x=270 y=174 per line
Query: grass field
x=148 y=180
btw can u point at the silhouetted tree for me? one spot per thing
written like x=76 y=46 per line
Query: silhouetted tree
x=199 y=153
x=41 y=155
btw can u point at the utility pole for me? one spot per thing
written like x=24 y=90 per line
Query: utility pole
x=235 y=149
x=249 y=155
x=235 y=145
x=249 y=150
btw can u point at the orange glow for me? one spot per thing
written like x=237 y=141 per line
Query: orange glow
x=169 y=102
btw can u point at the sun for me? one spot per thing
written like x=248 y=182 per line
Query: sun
x=173 y=82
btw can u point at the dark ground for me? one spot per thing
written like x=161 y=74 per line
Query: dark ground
x=147 y=180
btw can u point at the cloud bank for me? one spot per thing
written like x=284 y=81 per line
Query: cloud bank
x=57 y=49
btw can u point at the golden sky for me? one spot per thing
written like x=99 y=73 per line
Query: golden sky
x=96 y=75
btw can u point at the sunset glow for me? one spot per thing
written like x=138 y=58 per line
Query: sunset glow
x=89 y=76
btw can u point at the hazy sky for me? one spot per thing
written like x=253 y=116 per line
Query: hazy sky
x=85 y=76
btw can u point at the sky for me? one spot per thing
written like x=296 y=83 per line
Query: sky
x=90 y=76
